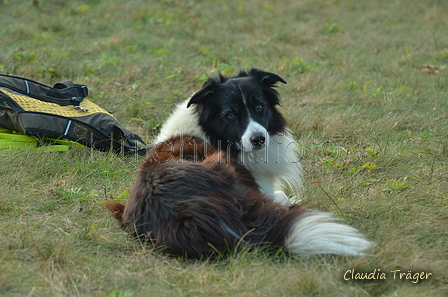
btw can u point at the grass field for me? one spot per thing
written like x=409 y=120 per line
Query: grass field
x=366 y=99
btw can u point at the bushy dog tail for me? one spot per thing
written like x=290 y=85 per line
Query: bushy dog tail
x=115 y=208
x=315 y=232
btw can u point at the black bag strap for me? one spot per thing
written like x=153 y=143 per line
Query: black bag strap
x=64 y=93
x=63 y=84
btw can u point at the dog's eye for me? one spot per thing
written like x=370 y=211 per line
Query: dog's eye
x=230 y=115
x=259 y=108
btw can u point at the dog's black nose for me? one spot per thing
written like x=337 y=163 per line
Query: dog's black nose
x=258 y=141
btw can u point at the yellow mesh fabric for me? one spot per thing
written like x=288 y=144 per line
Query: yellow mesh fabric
x=31 y=104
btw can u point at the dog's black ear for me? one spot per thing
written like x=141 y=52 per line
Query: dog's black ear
x=208 y=88
x=200 y=97
x=268 y=78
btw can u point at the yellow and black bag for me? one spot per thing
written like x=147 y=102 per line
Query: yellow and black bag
x=40 y=111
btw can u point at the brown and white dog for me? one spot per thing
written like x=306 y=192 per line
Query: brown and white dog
x=214 y=178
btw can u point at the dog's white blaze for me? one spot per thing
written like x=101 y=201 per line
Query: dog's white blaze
x=252 y=129
x=318 y=233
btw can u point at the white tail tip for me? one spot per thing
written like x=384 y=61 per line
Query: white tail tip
x=318 y=233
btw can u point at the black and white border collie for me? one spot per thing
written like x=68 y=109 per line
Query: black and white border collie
x=238 y=115
x=214 y=178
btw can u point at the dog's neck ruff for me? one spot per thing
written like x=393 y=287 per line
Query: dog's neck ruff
x=182 y=122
